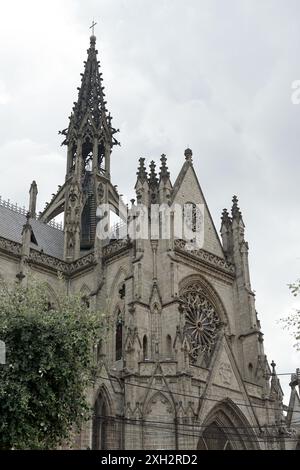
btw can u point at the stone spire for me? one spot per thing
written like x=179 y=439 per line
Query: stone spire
x=226 y=233
x=32 y=199
x=142 y=185
x=235 y=210
x=90 y=139
x=91 y=96
x=153 y=183
x=90 y=135
x=164 y=172
x=226 y=220
x=153 y=180
x=142 y=172
x=165 y=186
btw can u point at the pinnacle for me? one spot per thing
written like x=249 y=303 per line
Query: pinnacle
x=164 y=172
x=142 y=172
x=153 y=180
x=235 y=211
x=225 y=217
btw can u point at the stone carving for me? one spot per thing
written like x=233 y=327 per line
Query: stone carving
x=205 y=256
x=115 y=247
x=201 y=321
x=11 y=247
x=225 y=373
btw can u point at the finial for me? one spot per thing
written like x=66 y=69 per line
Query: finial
x=164 y=172
x=225 y=217
x=235 y=211
x=153 y=180
x=273 y=365
x=142 y=173
x=188 y=154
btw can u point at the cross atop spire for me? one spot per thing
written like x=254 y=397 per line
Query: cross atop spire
x=93 y=27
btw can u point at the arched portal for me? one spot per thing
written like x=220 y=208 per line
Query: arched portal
x=214 y=438
x=226 y=428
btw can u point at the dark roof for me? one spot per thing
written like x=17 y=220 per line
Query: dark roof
x=49 y=239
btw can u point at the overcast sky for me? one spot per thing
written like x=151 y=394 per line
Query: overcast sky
x=214 y=75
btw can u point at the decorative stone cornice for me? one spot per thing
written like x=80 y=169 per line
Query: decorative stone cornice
x=36 y=257
x=205 y=256
x=116 y=247
x=10 y=246
x=39 y=258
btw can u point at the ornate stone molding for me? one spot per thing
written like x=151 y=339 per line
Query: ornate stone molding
x=203 y=255
x=37 y=257
x=10 y=246
x=116 y=247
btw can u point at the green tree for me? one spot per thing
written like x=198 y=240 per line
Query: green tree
x=292 y=322
x=49 y=365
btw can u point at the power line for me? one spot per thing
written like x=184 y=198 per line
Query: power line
x=198 y=397
x=173 y=428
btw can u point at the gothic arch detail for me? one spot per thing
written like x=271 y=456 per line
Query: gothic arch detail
x=159 y=419
x=101 y=421
x=226 y=428
x=53 y=299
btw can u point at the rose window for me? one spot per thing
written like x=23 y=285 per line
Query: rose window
x=201 y=321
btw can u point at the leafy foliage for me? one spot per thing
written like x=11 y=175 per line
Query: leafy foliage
x=292 y=322
x=49 y=365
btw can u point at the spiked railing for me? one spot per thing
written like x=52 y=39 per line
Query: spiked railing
x=23 y=211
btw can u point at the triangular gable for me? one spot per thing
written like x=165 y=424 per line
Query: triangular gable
x=187 y=189
x=225 y=373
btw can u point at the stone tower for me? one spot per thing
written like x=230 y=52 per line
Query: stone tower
x=89 y=139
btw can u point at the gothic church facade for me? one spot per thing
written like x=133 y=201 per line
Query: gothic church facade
x=184 y=365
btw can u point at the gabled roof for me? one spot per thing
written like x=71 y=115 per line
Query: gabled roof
x=50 y=240
x=183 y=192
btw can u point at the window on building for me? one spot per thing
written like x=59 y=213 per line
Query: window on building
x=100 y=422
x=169 y=347
x=145 y=347
x=119 y=340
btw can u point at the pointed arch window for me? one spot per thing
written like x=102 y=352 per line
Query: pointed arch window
x=100 y=424
x=119 y=340
x=145 y=347
x=214 y=438
x=169 y=346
